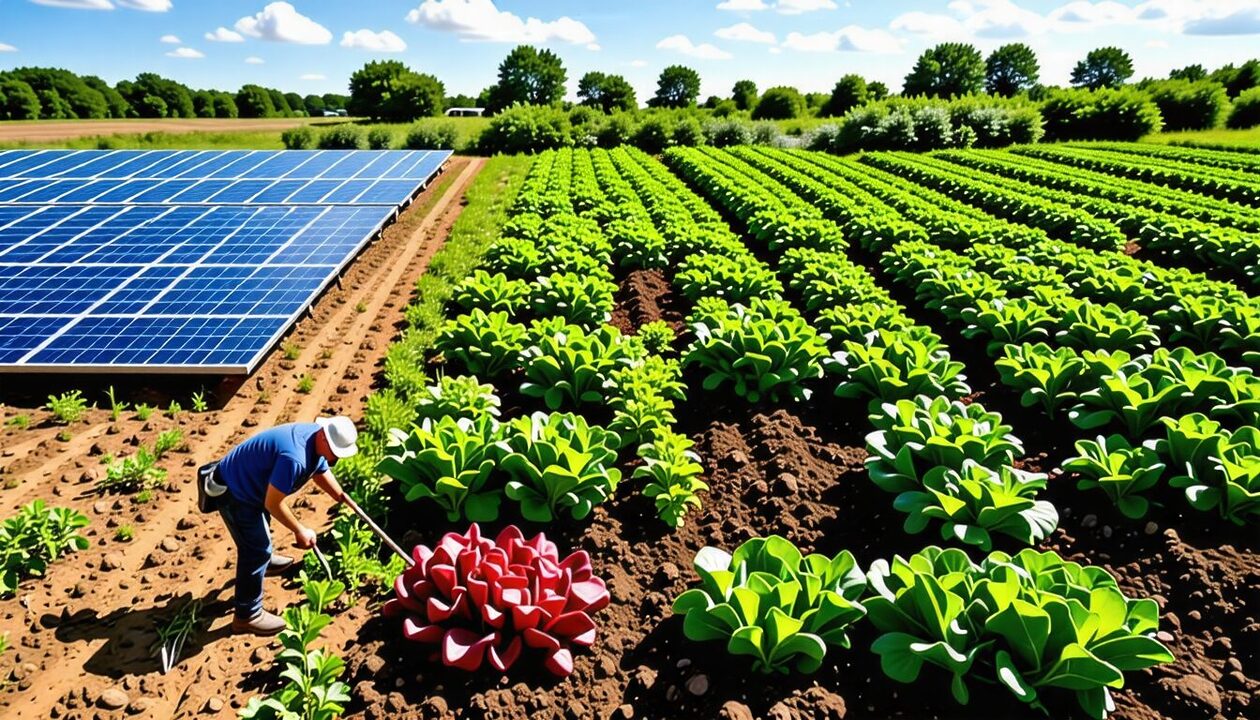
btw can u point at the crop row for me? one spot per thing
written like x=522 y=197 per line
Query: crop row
x=1218 y=157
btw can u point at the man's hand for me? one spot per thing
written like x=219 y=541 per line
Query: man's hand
x=304 y=538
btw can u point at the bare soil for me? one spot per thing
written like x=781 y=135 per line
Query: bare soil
x=48 y=130
x=89 y=626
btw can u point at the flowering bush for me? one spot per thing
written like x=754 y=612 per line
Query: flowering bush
x=486 y=601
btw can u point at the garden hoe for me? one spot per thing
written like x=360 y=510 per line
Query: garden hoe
x=323 y=561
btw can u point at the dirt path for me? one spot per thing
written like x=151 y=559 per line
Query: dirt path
x=69 y=129
x=87 y=627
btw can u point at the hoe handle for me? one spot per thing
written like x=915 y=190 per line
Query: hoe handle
x=349 y=501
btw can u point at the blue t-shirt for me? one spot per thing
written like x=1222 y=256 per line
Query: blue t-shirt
x=283 y=457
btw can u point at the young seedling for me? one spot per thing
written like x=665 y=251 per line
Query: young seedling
x=107 y=458
x=137 y=472
x=199 y=403
x=326 y=354
x=166 y=441
x=173 y=410
x=264 y=397
x=292 y=351
x=116 y=408
x=143 y=411
x=173 y=635
x=144 y=497
x=124 y=533
x=306 y=383
x=21 y=422
x=68 y=407
x=64 y=436
x=360 y=307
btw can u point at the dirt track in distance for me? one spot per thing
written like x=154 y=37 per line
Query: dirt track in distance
x=69 y=129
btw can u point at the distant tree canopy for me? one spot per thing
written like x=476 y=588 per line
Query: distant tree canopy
x=1193 y=73
x=744 y=94
x=528 y=76
x=779 y=103
x=877 y=90
x=389 y=90
x=18 y=100
x=678 y=86
x=947 y=70
x=253 y=101
x=1011 y=69
x=606 y=92
x=1106 y=67
x=850 y=92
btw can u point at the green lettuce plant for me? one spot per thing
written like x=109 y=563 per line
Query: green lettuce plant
x=558 y=462
x=486 y=344
x=1117 y=468
x=582 y=300
x=736 y=280
x=772 y=603
x=449 y=461
x=672 y=470
x=462 y=396
x=491 y=293
x=889 y=367
x=1215 y=468
x=570 y=367
x=1049 y=377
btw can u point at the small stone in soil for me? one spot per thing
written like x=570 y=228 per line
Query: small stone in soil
x=1151 y=528
x=732 y=710
x=213 y=705
x=1089 y=521
x=698 y=685
x=682 y=663
x=112 y=699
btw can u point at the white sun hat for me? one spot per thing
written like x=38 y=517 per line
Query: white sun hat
x=341 y=435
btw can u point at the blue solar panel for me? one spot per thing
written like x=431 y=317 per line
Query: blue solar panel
x=192 y=261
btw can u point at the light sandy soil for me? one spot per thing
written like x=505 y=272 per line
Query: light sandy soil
x=69 y=129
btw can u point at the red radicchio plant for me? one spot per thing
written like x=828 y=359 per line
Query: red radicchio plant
x=484 y=600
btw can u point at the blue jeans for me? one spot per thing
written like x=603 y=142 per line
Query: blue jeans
x=248 y=525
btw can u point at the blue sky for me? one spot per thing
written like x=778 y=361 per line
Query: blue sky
x=313 y=45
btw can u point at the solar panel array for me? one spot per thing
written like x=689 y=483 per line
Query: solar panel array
x=180 y=261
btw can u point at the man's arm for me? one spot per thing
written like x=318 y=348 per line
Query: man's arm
x=326 y=482
x=277 y=504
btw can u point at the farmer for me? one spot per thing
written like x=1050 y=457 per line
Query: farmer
x=254 y=480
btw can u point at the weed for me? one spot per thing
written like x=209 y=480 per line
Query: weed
x=116 y=409
x=68 y=407
x=137 y=472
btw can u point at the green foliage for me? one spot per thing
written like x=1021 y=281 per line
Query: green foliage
x=734 y=279
x=677 y=87
x=765 y=350
x=657 y=337
x=946 y=70
x=1045 y=376
x=457 y=397
x=486 y=344
x=1245 y=112
x=1186 y=105
x=21 y=421
x=342 y=137
x=199 y=403
x=849 y=92
x=558 y=462
x=166 y=441
x=932 y=124
x=144 y=411
x=380 y=138
x=1216 y=469
x=770 y=602
x=1032 y=622
x=527 y=76
x=1105 y=114
x=134 y=472
x=68 y=407
x=1011 y=69
x=174 y=409
x=298 y=138
x=449 y=461
x=1117 y=468
x=583 y=300
x=34 y=538
x=432 y=135
x=116 y=408
x=526 y=128
x=673 y=473
x=609 y=93
x=567 y=367
x=779 y=103
x=888 y=366
x=390 y=91
x=1106 y=67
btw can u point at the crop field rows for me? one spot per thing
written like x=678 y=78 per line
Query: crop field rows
x=806 y=434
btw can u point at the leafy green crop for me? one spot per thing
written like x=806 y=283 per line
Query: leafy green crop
x=580 y=299
x=771 y=603
x=1216 y=469
x=891 y=366
x=557 y=461
x=459 y=397
x=486 y=344
x=736 y=280
x=1031 y=622
x=1120 y=470
x=567 y=366
x=974 y=502
x=68 y=407
x=1045 y=376
x=450 y=461
x=673 y=473
x=491 y=293
x=35 y=537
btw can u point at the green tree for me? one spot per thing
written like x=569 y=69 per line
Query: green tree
x=279 y=102
x=152 y=106
x=225 y=106
x=677 y=87
x=528 y=76
x=314 y=105
x=333 y=101
x=877 y=91
x=176 y=97
x=18 y=100
x=606 y=92
x=389 y=90
x=203 y=103
x=744 y=94
x=1193 y=73
x=52 y=106
x=779 y=103
x=73 y=97
x=947 y=70
x=850 y=92
x=294 y=101
x=1106 y=67
x=253 y=101
x=1246 y=77
x=460 y=100
x=1011 y=69
x=117 y=104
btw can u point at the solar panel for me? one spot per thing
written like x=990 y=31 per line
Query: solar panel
x=180 y=261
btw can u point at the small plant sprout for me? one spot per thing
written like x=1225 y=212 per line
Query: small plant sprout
x=199 y=403
x=326 y=354
x=291 y=351
x=306 y=383
x=116 y=408
x=137 y=472
x=166 y=441
x=144 y=497
x=21 y=422
x=107 y=458
x=360 y=307
x=264 y=397
x=173 y=635
x=68 y=407
x=64 y=436
x=173 y=410
x=143 y=411
x=124 y=533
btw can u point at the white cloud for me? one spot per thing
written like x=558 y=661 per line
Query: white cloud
x=851 y=38
x=77 y=4
x=383 y=41
x=743 y=5
x=146 y=5
x=745 y=32
x=1161 y=44
x=998 y=19
x=1242 y=21
x=927 y=24
x=480 y=20
x=185 y=52
x=281 y=22
x=683 y=45
x=222 y=34
x=313 y=76
x=638 y=63
x=5 y=47
x=169 y=39
x=1085 y=12
x=796 y=7
x=254 y=60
